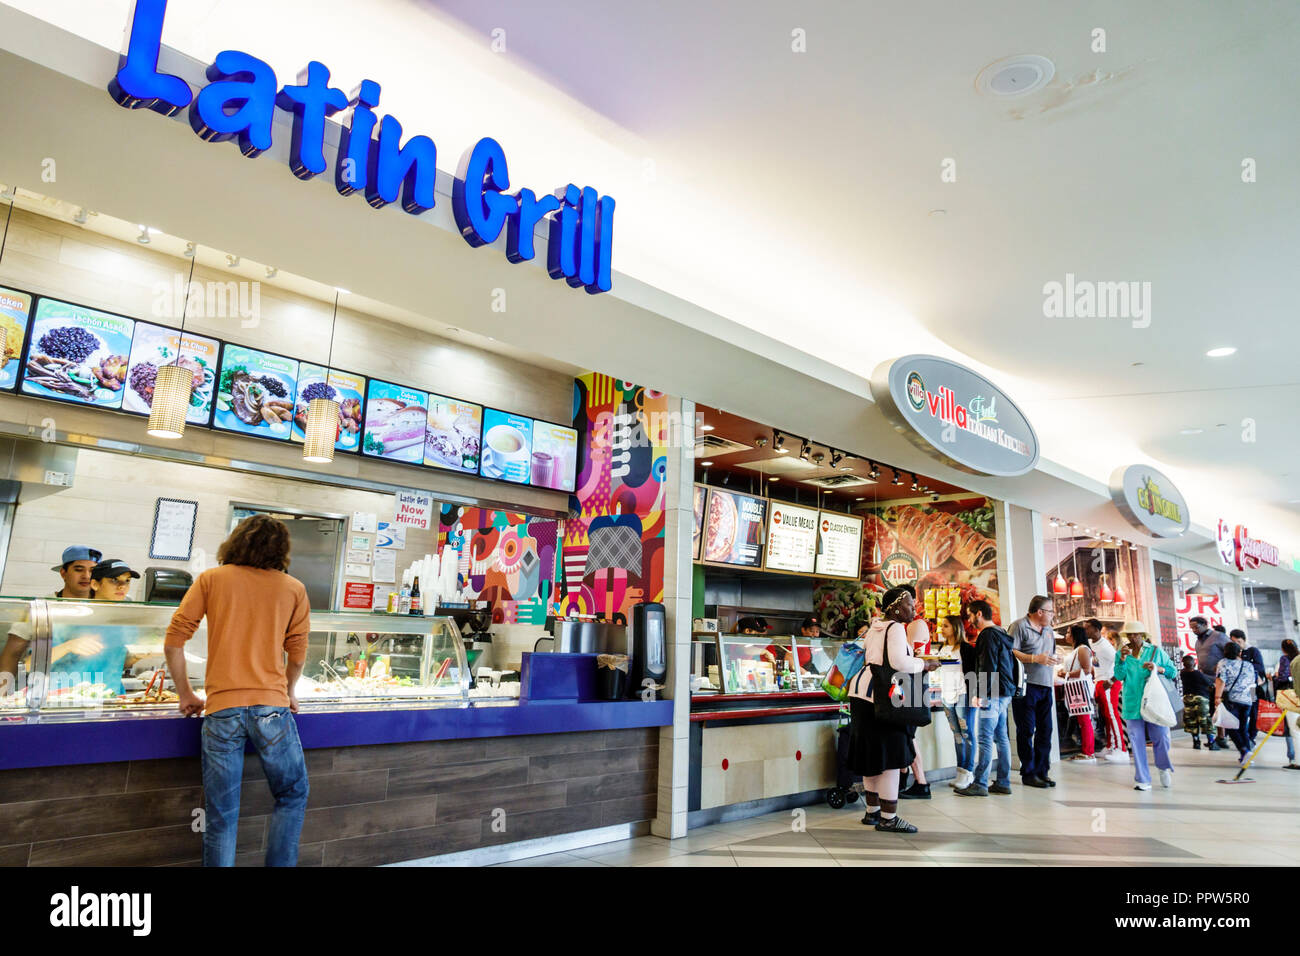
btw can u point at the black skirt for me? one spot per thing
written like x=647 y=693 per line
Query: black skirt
x=874 y=746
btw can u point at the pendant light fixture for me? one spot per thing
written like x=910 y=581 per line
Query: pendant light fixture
x=1076 y=586
x=1119 y=600
x=1059 y=587
x=174 y=384
x=1104 y=593
x=4 y=335
x=323 y=413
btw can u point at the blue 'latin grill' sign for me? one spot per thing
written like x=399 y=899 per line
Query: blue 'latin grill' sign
x=239 y=103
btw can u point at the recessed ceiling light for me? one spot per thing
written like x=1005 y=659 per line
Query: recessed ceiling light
x=1015 y=75
x=859 y=499
x=774 y=479
x=1191 y=431
x=1223 y=352
x=705 y=464
x=706 y=428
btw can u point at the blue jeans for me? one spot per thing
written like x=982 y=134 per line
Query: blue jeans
x=963 y=740
x=275 y=736
x=1139 y=731
x=993 y=730
x=1240 y=735
x=1033 y=714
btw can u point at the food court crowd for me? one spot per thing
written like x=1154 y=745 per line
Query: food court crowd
x=1121 y=677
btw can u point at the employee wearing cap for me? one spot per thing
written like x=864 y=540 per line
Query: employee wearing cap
x=111 y=580
x=75 y=569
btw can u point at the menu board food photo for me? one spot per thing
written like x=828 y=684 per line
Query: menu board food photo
x=343 y=387
x=77 y=354
x=396 y=420
x=255 y=392
x=507 y=446
x=734 y=529
x=452 y=435
x=791 y=538
x=155 y=346
x=555 y=456
x=839 y=545
x=15 y=313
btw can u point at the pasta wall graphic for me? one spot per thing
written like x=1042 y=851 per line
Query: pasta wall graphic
x=612 y=553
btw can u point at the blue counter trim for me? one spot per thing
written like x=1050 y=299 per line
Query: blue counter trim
x=153 y=738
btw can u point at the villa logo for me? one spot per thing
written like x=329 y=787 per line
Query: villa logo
x=1085 y=299
x=916 y=391
x=984 y=412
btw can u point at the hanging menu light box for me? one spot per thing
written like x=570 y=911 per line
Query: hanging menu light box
x=343 y=387
x=791 y=538
x=15 y=315
x=77 y=354
x=734 y=529
x=155 y=346
x=255 y=393
x=839 y=545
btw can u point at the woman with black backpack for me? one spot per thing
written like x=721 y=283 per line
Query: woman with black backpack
x=880 y=748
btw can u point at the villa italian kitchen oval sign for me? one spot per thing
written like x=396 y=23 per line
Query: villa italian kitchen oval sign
x=948 y=409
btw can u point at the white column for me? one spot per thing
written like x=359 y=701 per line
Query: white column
x=674 y=741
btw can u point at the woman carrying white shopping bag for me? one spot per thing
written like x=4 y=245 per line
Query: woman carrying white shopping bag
x=1144 y=702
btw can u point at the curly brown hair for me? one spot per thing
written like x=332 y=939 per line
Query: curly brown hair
x=259 y=541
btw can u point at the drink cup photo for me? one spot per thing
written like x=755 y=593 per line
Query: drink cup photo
x=507 y=447
x=543 y=469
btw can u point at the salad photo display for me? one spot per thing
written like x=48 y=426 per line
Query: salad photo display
x=155 y=346
x=343 y=387
x=396 y=421
x=15 y=313
x=77 y=354
x=255 y=392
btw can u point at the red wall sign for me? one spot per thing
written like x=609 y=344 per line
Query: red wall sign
x=1238 y=549
x=358 y=596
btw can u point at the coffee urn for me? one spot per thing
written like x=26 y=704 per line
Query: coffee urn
x=649 y=648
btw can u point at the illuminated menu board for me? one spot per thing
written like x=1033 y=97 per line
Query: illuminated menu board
x=453 y=435
x=255 y=392
x=839 y=545
x=791 y=538
x=734 y=529
x=77 y=354
x=507 y=447
x=555 y=456
x=155 y=346
x=15 y=315
x=397 y=418
x=343 y=387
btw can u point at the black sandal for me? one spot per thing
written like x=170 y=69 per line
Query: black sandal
x=896 y=825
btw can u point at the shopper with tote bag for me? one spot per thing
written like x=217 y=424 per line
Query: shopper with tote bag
x=1139 y=669
x=882 y=711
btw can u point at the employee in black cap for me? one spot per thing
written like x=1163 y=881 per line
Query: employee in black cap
x=111 y=580
x=879 y=750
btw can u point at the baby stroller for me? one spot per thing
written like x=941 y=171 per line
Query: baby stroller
x=847 y=787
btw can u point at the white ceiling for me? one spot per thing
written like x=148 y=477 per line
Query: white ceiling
x=792 y=192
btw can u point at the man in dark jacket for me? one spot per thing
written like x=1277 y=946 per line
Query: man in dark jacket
x=995 y=685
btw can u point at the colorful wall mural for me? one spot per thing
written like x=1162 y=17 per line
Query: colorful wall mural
x=506 y=557
x=612 y=552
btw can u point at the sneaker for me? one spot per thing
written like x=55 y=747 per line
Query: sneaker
x=1292 y=766
x=1116 y=756
x=896 y=825
x=973 y=790
x=1000 y=789
x=917 y=791
x=1142 y=786
x=1166 y=778
x=1082 y=758
x=871 y=818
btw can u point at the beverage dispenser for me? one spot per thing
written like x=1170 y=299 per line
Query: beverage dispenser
x=649 y=647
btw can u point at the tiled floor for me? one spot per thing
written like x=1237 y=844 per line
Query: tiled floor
x=1093 y=817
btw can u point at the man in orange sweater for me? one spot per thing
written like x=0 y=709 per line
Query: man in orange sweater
x=257 y=617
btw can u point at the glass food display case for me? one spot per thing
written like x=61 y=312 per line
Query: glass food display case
x=87 y=660
x=751 y=663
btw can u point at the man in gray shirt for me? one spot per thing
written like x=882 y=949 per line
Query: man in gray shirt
x=1209 y=646
x=1034 y=645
